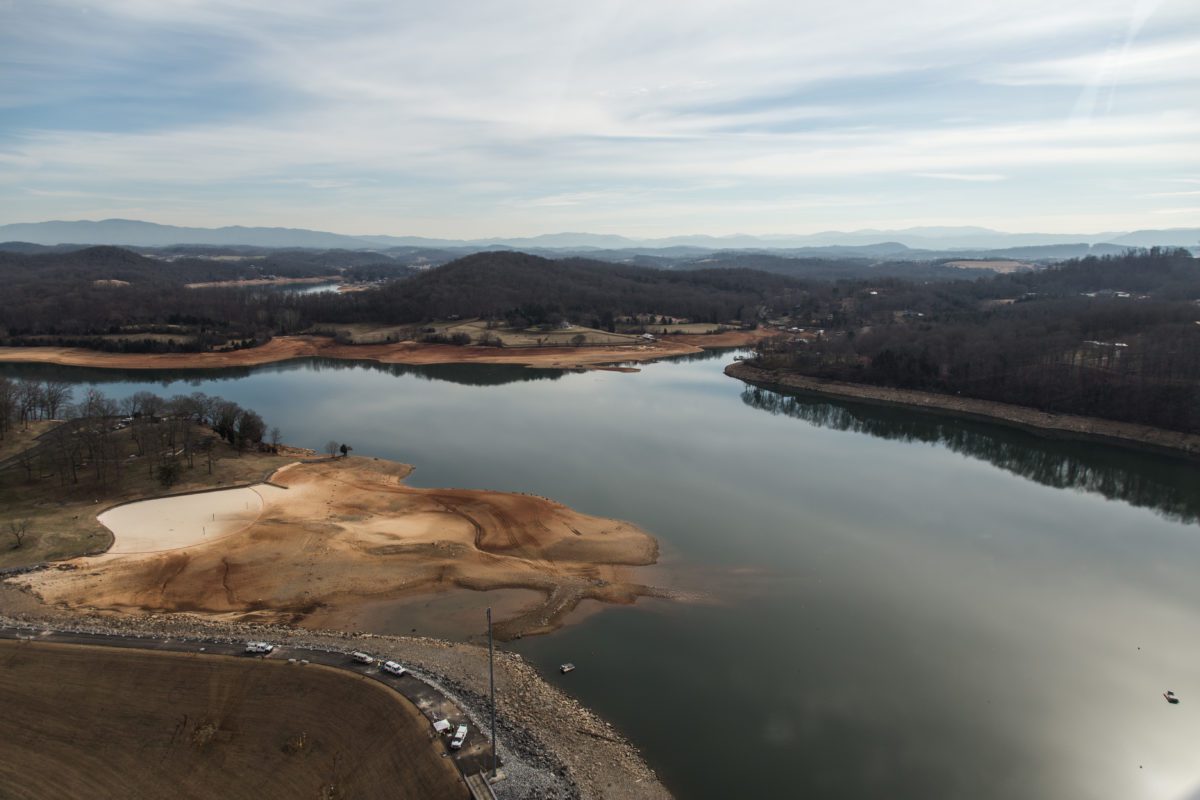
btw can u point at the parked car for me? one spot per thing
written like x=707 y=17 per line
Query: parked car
x=460 y=736
x=362 y=657
x=259 y=648
x=393 y=668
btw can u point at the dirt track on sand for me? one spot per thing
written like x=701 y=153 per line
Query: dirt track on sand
x=100 y=722
x=348 y=532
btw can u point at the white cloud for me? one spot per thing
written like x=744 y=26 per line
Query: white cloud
x=970 y=177
x=618 y=112
x=1151 y=62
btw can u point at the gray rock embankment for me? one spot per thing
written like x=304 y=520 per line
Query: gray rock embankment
x=1143 y=437
x=551 y=747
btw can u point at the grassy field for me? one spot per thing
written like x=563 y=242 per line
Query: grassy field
x=996 y=265
x=477 y=330
x=367 y=333
x=182 y=336
x=685 y=328
x=575 y=336
x=62 y=517
x=102 y=722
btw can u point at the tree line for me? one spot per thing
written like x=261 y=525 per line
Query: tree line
x=111 y=298
x=98 y=439
x=1114 y=337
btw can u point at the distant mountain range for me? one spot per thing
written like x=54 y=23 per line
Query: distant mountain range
x=148 y=234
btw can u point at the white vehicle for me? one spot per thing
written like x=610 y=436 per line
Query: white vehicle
x=441 y=726
x=259 y=648
x=460 y=736
x=362 y=657
x=393 y=668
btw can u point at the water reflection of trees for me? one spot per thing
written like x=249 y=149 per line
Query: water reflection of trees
x=1169 y=486
x=464 y=374
x=711 y=354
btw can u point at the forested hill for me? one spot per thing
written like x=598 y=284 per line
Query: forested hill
x=1114 y=337
x=498 y=284
x=60 y=268
x=109 y=297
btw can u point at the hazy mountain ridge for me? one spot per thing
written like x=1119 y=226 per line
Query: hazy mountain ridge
x=936 y=239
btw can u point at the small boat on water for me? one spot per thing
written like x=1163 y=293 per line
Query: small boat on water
x=565 y=668
x=1170 y=696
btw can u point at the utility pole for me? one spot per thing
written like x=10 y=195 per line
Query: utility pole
x=492 y=688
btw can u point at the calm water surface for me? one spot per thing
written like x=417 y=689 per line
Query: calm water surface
x=897 y=605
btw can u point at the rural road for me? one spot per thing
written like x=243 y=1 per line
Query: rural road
x=473 y=758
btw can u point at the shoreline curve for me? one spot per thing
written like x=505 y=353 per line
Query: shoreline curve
x=286 y=348
x=1042 y=423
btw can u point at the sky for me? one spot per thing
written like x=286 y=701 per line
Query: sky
x=643 y=118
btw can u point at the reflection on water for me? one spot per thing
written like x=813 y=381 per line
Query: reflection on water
x=902 y=605
x=465 y=374
x=1063 y=464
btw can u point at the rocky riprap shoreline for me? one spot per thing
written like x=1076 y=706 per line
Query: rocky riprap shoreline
x=550 y=746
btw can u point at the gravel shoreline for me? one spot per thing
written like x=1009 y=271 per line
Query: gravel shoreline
x=550 y=745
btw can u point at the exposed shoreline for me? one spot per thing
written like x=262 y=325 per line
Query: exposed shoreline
x=1125 y=434
x=286 y=348
x=333 y=535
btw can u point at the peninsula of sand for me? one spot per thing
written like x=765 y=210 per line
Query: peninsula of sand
x=332 y=535
x=285 y=348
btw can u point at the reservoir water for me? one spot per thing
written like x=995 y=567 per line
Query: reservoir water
x=893 y=604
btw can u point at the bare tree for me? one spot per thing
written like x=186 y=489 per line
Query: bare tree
x=276 y=439
x=331 y=447
x=168 y=474
x=19 y=529
x=55 y=395
x=8 y=404
x=29 y=400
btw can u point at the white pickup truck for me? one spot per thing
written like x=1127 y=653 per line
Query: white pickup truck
x=259 y=648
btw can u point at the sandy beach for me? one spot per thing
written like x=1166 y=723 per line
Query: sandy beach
x=284 y=348
x=332 y=536
x=171 y=523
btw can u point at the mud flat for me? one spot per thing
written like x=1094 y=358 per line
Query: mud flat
x=337 y=535
x=1065 y=425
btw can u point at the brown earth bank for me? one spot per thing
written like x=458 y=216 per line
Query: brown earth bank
x=1041 y=422
x=330 y=536
x=284 y=348
x=551 y=747
x=82 y=721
